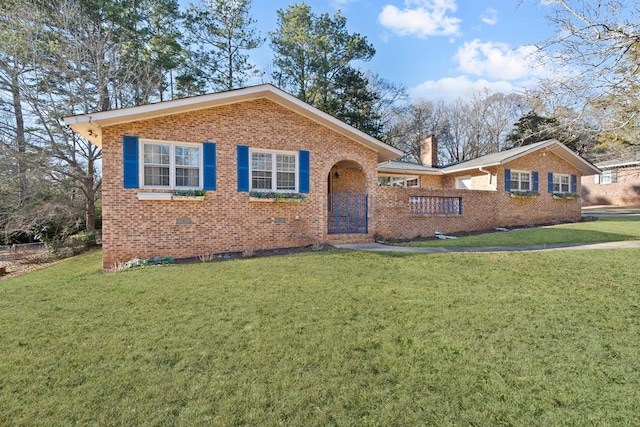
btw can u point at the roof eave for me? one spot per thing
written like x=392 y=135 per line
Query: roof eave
x=90 y=125
x=556 y=147
x=453 y=169
x=410 y=171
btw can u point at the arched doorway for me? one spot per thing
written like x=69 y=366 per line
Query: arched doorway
x=347 y=199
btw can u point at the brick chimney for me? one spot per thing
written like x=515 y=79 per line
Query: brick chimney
x=429 y=152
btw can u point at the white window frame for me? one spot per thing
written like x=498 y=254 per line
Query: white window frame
x=557 y=180
x=519 y=180
x=609 y=176
x=274 y=170
x=172 y=164
x=399 y=181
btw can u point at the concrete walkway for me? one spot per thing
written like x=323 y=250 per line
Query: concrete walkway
x=379 y=247
x=598 y=211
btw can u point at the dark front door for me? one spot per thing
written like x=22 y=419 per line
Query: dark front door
x=348 y=213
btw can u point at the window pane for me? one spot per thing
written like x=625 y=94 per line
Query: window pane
x=187 y=177
x=156 y=154
x=561 y=183
x=286 y=181
x=261 y=180
x=261 y=161
x=515 y=180
x=384 y=180
x=187 y=156
x=156 y=176
x=261 y=171
x=286 y=163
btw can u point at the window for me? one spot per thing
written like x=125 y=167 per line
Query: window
x=274 y=171
x=561 y=183
x=398 y=181
x=171 y=165
x=520 y=181
x=609 y=176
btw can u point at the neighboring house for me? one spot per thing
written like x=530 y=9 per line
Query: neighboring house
x=617 y=184
x=256 y=168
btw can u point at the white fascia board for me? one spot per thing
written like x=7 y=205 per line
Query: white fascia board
x=90 y=125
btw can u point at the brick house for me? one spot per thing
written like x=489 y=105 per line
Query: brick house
x=532 y=184
x=618 y=183
x=256 y=168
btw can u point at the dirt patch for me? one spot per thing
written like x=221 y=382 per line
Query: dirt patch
x=17 y=263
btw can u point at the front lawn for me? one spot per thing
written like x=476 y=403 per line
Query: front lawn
x=333 y=338
x=606 y=229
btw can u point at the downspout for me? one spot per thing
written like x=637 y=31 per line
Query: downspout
x=489 y=175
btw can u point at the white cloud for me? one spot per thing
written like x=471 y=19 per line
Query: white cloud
x=422 y=18
x=490 y=16
x=449 y=89
x=495 y=60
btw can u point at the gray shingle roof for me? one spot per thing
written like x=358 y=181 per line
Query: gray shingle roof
x=501 y=158
x=398 y=166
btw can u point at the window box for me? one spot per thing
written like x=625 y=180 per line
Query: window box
x=271 y=197
x=154 y=196
x=273 y=200
x=524 y=194
x=189 y=195
x=187 y=198
x=181 y=195
x=566 y=196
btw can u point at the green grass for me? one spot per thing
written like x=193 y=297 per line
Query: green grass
x=606 y=229
x=336 y=338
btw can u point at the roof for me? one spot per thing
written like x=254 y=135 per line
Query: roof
x=496 y=159
x=90 y=125
x=551 y=145
x=622 y=158
x=397 y=166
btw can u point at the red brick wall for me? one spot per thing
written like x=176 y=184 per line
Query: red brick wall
x=625 y=192
x=226 y=221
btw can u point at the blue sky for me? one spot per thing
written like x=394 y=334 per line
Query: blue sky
x=438 y=49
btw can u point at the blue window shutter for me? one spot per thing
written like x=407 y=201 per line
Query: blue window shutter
x=243 y=168
x=507 y=180
x=534 y=175
x=130 y=161
x=550 y=182
x=209 y=166
x=303 y=177
x=574 y=183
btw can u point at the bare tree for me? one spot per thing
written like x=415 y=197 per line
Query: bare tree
x=390 y=102
x=594 y=53
x=415 y=123
x=19 y=33
x=479 y=125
